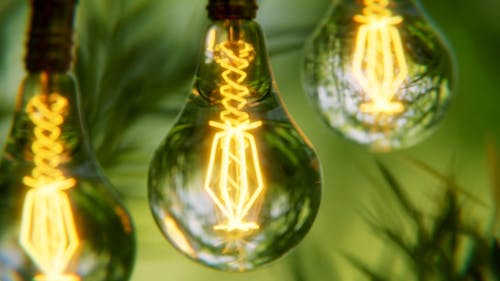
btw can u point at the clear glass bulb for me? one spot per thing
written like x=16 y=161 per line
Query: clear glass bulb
x=379 y=73
x=59 y=219
x=234 y=185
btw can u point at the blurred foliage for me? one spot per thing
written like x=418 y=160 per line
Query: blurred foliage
x=148 y=70
x=135 y=60
x=443 y=246
x=432 y=243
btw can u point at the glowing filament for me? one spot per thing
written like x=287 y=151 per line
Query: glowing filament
x=234 y=179
x=379 y=62
x=48 y=232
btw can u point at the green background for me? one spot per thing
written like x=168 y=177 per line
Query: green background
x=135 y=61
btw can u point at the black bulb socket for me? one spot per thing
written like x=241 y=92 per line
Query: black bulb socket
x=50 y=36
x=232 y=9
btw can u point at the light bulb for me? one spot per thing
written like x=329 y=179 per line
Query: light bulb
x=59 y=219
x=235 y=184
x=379 y=73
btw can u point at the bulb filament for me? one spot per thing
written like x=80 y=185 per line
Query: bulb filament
x=48 y=233
x=234 y=178
x=379 y=62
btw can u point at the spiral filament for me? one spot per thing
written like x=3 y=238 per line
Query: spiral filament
x=234 y=179
x=48 y=232
x=379 y=62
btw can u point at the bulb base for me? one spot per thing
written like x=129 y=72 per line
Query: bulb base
x=50 y=36
x=232 y=9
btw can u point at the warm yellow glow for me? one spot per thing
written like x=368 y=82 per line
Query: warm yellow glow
x=48 y=233
x=234 y=178
x=379 y=62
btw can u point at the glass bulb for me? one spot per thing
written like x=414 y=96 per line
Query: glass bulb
x=379 y=73
x=235 y=184
x=60 y=220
